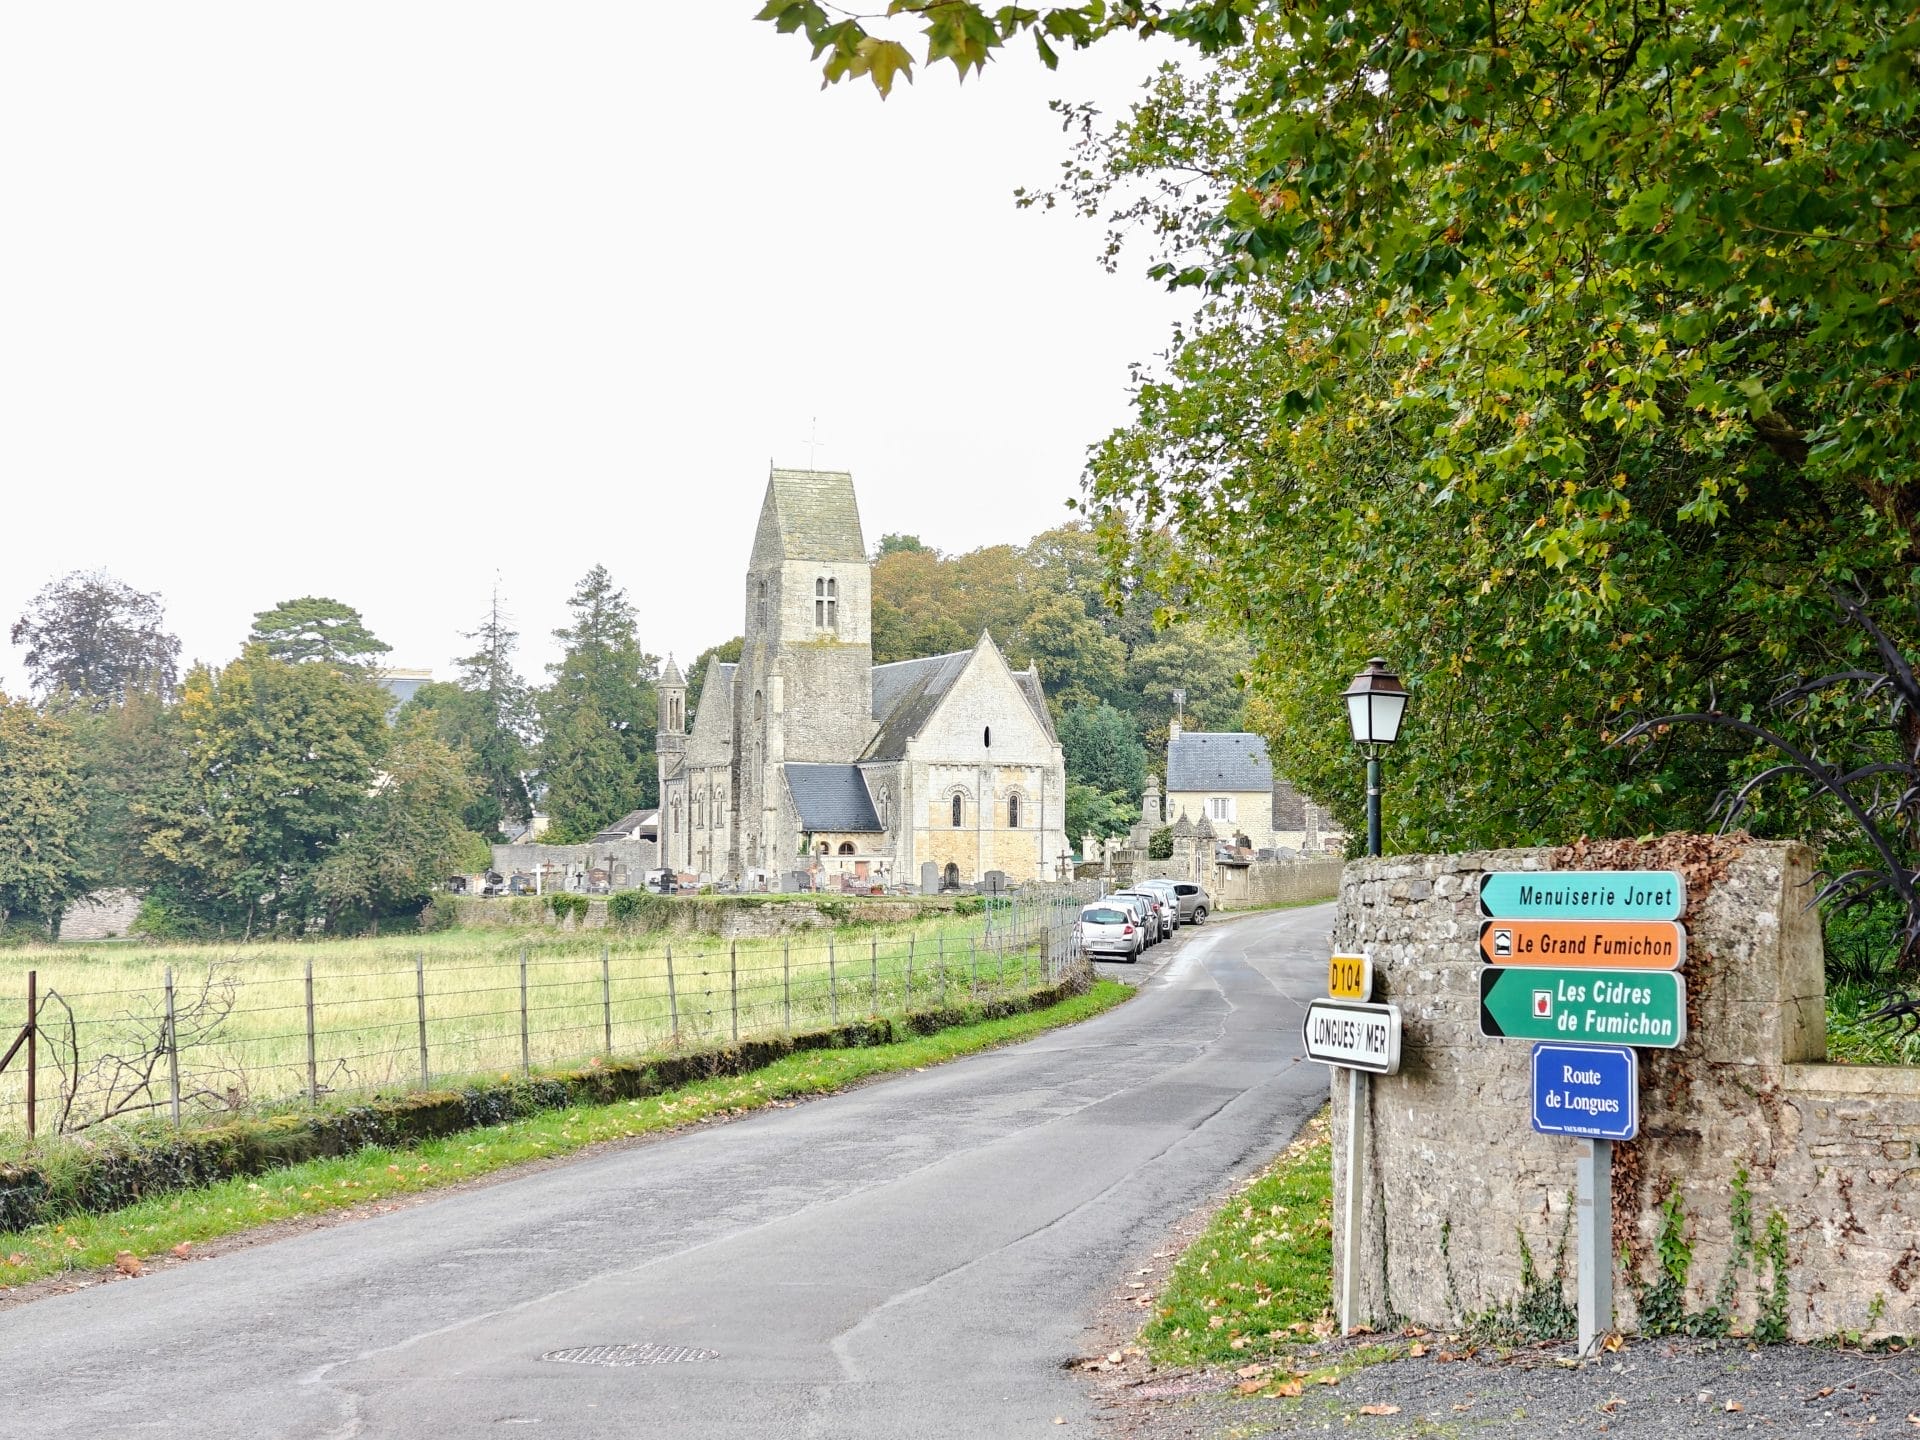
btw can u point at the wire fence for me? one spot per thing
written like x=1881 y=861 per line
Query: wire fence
x=240 y=1033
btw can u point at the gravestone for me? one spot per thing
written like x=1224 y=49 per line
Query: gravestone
x=929 y=878
x=995 y=883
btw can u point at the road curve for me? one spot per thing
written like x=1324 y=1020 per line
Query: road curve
x=913 y=1258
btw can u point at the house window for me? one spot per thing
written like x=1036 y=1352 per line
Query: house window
x=956 y=812
x=1013 y=812
x=823 y=847
x=846 y=847
x=826 y=603
x=1220 y=807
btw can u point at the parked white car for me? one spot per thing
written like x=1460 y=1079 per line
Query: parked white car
x=1164 y=889
x=1110 y=929
x=1142 y=909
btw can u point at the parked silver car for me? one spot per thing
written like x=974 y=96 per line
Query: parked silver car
x=1108 y=928
x=1164 y=889
x=1159 y=914
x=1195 y=903
x=1142 y=910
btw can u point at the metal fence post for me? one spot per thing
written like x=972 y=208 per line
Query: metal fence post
x=606 y=997
x=907 y=1008
x=420 y=999
x=733 y=984
x=940 y=967
x=786 y=980
x=173 y=1053
x=313 y=1057
x=874 y=958
x=526 y=1046
x=673 y=1002
x=973 y=970
x=833 y=986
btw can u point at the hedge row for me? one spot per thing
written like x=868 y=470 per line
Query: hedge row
x=106 y=1175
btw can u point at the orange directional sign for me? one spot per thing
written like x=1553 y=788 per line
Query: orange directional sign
x=1350 y=977
x=1589 y=944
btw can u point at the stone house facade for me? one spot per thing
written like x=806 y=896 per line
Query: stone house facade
x=806 y=757
x=1224 y=778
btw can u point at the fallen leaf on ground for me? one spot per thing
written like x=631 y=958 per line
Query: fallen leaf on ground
x=1611 y=1404
x=1329 y=1379
x=182 y=1250
x=16 y=1258
x=1417 y=1351
x=1288 y=1389
x=1379 y=1409
x=1245 y=1372
x=128 y=1263
x=1248 y=1387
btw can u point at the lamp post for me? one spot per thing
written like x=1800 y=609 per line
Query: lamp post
x=1376 y=701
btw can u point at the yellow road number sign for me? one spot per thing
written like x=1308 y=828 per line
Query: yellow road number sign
x=1350 y=977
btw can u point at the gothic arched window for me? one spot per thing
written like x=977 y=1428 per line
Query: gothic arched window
x=826 y=603
x=1013 y=812
x=956 y=812
x=760 y=604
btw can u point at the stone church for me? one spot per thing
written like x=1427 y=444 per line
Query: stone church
x=807 y=758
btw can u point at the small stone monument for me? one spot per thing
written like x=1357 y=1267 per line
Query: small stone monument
x=929 y=878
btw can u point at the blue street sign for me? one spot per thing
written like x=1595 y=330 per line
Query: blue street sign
x=1587 y=1090
x=1583 y=895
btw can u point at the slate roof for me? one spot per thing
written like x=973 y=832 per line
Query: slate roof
x=717 y=691
x=832 y=798
x=627 y=824
x=808 y=515
x=907 y=692
x=905 y=695
x=1232 y=760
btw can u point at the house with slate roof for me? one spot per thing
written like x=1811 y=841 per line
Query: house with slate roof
x=806 y=756
x=1225 y=778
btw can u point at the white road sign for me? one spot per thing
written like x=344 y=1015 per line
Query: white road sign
x=1361 y=1037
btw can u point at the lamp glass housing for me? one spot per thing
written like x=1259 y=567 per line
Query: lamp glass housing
x=1376 y=703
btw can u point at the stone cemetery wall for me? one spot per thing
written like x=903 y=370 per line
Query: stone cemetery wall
x=1755 y=1153
x=103 y=915
x=1277 y=882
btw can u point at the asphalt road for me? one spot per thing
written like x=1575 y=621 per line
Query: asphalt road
x=914 y=1258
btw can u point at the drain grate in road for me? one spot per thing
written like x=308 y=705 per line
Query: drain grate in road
x=646 y=1354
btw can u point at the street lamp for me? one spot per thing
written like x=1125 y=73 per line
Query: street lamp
x=1376 y=701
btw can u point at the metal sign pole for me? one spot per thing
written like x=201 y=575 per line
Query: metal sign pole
x=1350 y=1210
x=1593 y=1216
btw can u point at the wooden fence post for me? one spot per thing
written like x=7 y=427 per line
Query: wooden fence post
x=173 y=1053
x=874 y=957
x=313 y=1057
x=420 y=1000
x=33 y=1047
x=733 y=985
x=526 y=1046
x=786 y=980
x=833 y=988
x=673 y=1002
x=606 y=997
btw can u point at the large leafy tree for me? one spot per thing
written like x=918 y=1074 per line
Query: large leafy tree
x=1103 y=750
x=315 y=627
x=598 y=713
x=277 y=760
x=92 y=640
x=43 y=808
x=1566 y=355
x=406 y=836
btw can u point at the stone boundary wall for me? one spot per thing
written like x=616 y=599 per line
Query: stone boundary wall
x=1277 y=882
x=1457 y=1180
x=727 y=917
x=639 y=856
x=103 y=915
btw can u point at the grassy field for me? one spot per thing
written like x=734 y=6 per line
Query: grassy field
x=242 y=1011
x=169 y=1226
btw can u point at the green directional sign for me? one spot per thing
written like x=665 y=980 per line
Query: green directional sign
x=1583 y=895
x=1624 y=1007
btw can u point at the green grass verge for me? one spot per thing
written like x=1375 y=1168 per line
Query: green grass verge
x=156 y=1227
x=1260 y=1277
x=1854 y=1038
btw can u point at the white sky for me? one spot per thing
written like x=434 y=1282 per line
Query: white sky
x=373 y=300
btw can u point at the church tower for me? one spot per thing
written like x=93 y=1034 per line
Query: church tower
x=670 y=750
x=809 y=633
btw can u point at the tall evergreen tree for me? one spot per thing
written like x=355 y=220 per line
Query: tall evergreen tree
x=488 y=717
x=598 y=714
x=315 y=627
